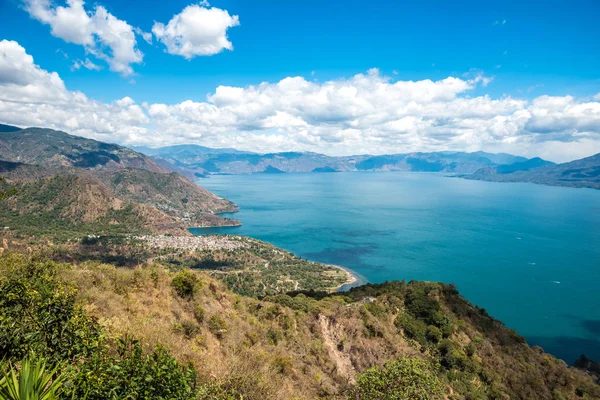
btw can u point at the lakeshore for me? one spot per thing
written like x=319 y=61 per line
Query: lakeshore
x=395 y=226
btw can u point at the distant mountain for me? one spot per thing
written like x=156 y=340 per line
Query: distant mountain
x=523 y=166
x=272 y=170
x=202 y=161
x=8 y=128
x=84 y=185
x=324 y=169
x=186 y=151
x=579 y=173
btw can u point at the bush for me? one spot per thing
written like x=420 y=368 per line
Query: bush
x=413 y=328
x=132 y=374
x=217 y=326
x=453 y=357
x=38 y=313
x=199 y=313
x=406 y=378
x=420 y=305
x=274 y=335
x=187 y=328
x=433 y=334
x=186 y=284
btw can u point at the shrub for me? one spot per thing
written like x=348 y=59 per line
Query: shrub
x=433 y=334
x=406 y=378
x=452 y=357
x=470 y=349
x=420 y=305
x=132 y=374
x=38 y=313
x=185 y=283
x=413 y=328
x=283 y=365
x=274 y=335
x=187 y=328
x=199 y=313
x=217 y=326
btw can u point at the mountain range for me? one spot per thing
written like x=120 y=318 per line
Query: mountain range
x=203 y=161
x=199 y=161
x=63 y=180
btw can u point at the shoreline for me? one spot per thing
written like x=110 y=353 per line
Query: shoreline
x=353 y=279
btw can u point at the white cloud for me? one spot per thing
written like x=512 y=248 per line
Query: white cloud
x=77 y=64
x=147 y=36
x=196 y=31
x=101 y=33
x=366 y=113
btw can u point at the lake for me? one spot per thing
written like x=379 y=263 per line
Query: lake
x=528 y=254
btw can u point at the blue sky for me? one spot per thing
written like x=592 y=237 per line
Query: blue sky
x=524 y=50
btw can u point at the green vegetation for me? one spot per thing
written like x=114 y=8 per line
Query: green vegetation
x=150 y=333
x=185 y=284
x=254 y=269
x=406 y=378
x=32 y=381
x=38 y=315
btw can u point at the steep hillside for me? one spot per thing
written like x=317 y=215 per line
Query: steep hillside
x=35 y=154
x=50 y=148
x=70 y=205
x=397 y=340
x=170 y=193
x=579 y=173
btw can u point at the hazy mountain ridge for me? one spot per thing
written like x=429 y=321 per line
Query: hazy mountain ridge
x=578 y=173
x=202 y=160
x=498 y=167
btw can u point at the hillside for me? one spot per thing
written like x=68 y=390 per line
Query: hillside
x=397 y=340
x=67 y=205
x=171 y=193
x=31 y=159
x=50 y=148
x=578 y=173
x=202 y=161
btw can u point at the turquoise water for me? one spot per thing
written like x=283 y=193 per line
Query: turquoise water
x=529 y=254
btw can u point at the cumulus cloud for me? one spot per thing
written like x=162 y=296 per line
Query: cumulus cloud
x=366 y=113
x=101 y=33
x=196 y=31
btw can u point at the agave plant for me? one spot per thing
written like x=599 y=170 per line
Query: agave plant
x=33 y=381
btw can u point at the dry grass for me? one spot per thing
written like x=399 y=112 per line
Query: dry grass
x=266 y=352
